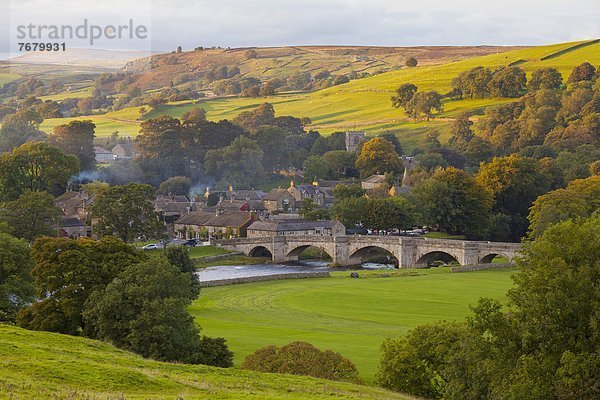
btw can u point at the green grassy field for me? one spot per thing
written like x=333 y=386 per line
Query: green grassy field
x=8 y=77
x=41 y=365
x=351 y=316
x=365 y=103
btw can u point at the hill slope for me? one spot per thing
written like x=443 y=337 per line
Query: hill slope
x=41 y=365
x=282 y=62
x=365 y=103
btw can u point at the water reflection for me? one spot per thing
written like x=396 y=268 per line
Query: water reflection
x=246 y=271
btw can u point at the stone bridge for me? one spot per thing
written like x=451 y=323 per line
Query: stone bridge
x=410 y=252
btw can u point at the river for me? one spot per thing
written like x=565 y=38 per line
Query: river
x=220 y=272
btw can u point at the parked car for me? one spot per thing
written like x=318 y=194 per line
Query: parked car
x=151 y=246
x=191 y=242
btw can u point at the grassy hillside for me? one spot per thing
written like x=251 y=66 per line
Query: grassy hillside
x=282 y=62
x=351 y=316
x=365 y=103
x=40 y=365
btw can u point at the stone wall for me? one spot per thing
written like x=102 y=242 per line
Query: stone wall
x=234 y=281
x=479 y=267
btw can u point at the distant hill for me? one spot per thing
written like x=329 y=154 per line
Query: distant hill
x=98 y=58
x=41 y=365
x=281 y=62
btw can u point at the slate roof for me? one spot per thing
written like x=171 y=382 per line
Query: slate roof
x=289 y=225
x=70 y=222
x=199 y=218
x=234 y=219
x=375 y=179
x=276 y=194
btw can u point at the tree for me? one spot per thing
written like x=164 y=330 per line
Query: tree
x=239 y=164
x=19 y=128
x=315 y=166
x=77 y=138
x=127 y=212
x=582 y=72
x=453 y=201
x=460 y=132
x=301 y=358
x=271 y=141
x=411 y=62
x=389 y=213
x=198 y=114
x=424 y=103
x=339 y=164
x=66 y=273
x=144 y=311
x=580 y=199
x=37 y=167
x=508 y=82
x=474 y=82
x=514 y=182
x=378 y=156
x=349 y=211
x=393 y=139
x=341 y=192
x=544 y=346
x=16 y=282
x=176 y=185
x=250 y=54
x=545 y=78
x=32 y=215
x=403 y=95
x=260 y=116
x=160 y=147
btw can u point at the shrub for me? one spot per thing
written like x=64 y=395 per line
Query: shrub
x=301 y=358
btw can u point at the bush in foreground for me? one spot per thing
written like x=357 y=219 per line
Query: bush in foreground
x=301 y=358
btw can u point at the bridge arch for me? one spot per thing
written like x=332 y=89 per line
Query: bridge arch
x=260 y=251
x=430 y=257
x=295 y=252
x=362 y=253
x=487 y=259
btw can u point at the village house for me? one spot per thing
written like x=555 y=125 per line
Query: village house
x=373 y=182
x=124 y=151
x=295 y=228
x=279 y=200
x=75 y=204
x=228 y=224
x=320 y=196
x=72 y=227
x=243 y=194
x=103 y=156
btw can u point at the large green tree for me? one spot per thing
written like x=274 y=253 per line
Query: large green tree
x=581 y=198
x=377 y=157
x=508 y=82
x=239 y=164
x=37 y=167
x=544 y=346
x=452 y=200
x=144 y=311
x=32 y=215
x=19 y=128
x=66 y=273
x=127 y=212
x=514 y=182
x=16 y=282
x=77 y=138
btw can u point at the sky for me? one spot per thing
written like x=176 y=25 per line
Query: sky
x=244 y=23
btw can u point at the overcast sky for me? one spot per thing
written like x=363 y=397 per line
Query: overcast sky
x=238 y=23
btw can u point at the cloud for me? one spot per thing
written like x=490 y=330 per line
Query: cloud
x=238 y=23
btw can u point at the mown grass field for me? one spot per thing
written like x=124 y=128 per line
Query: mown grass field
x=41 y=365
x=365 y=103
x=350 y=316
